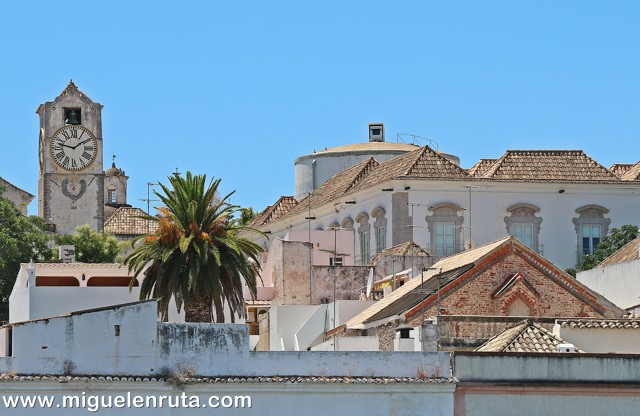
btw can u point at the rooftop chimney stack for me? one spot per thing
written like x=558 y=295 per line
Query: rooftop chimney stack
x=376 y=132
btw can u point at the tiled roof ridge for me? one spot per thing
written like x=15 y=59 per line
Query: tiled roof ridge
x=498 y=165
x=401 y=249
x=522 y=337
x=607 y=323
x=129 y=221
x=333 y=188
x=426 y=150
x=632 y=174
x=618 y=256
x=275 y=211
x=10 y=377
x=620 y=168
x=121 y=211
x=366 y=169
x=481 y=166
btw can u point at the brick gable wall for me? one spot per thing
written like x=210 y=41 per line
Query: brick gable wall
x=474 y=298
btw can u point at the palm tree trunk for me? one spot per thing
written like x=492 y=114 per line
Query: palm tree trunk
x=199 y=309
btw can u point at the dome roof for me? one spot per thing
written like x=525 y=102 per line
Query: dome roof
x=114 y=171
x=371 y=147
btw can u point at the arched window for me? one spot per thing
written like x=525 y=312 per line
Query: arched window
x=591 y=226
x=380 y=227
x=363 y=232
x=523 y=224
x=444 y=228
x=347 y=223
x=57 y=281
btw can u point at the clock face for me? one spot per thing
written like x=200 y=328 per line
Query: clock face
x=74 y=147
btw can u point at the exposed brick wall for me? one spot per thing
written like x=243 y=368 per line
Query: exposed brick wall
x=474 y=298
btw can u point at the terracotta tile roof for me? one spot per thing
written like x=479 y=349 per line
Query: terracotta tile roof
x=599 y=323
x=628 y=252
x=549 y=165
x=336 y=186
x=448 y=264
x=526 y=336
x=274 y=212
x=632 y=174
x=619 y=168
x=422 y=163
x=408 y=248
x=481 y=167
x=10 y=377
x=126 y=221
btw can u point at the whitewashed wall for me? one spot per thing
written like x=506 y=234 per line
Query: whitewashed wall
x=28 y=301
x=620 y=283
x=600 y=340
x=489 y=202
x=89 y=343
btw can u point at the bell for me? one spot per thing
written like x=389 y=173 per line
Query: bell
x=72 y=117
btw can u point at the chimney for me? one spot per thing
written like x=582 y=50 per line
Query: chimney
x=430 y=336
x=403 y=340
x=376 y=132
x=566 y=348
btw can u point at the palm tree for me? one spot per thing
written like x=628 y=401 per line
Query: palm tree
x=197 y=255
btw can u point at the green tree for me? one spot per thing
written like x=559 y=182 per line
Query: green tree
x=91 y=246
x=197 y=256
x=246 y=216
x=612 y=242
x=21 y=240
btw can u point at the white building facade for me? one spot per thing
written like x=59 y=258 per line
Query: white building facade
x=559 y=203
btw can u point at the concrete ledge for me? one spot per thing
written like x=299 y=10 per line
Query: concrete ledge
x=546 y=368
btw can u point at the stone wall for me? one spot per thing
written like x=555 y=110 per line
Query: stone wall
x=289 y=270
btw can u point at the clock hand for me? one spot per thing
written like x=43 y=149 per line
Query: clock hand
x=81 y=143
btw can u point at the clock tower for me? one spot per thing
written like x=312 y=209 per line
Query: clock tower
x=71 y=182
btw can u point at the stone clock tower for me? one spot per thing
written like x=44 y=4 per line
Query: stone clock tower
x=71 y=184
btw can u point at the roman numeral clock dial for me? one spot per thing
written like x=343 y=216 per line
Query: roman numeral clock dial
x=73 y=147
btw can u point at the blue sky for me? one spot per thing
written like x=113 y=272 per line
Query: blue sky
x=238 y=90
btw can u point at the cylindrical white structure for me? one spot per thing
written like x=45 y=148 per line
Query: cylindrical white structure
x=336 y=159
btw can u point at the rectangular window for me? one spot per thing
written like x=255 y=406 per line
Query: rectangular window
x=445 y=238
x=112 y=196
x=381 y=236
x=591 y=234
x=364 y=247
x=524 y=233
x=335 y=261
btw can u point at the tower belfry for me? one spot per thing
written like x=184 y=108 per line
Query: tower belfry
x=71 y=181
